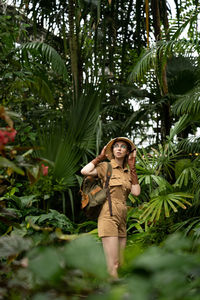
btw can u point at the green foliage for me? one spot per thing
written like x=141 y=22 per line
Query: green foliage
x=184 y=105
x=36 y=84
x=64 y=144
x=161 y=271
x=73 y=268
x=9 y=33
x=41 y=258
x=156 y=165
x=5 y=163
x=156 y=57
x=155 y=171
x=24 y=201
x=182 y=74
x=13 y=245
x=163 y=202
x=186 y=171
x=48 y=53
x=52 y=219
x=45 y=264
x=86 y=254
x=77 y=269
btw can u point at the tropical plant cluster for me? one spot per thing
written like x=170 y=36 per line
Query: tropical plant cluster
x=75 y=74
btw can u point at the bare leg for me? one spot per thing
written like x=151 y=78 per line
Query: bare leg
x=111 y=250
x=122 y=245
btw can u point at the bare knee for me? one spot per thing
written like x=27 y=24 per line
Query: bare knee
x=116 y=264
x=113 y=268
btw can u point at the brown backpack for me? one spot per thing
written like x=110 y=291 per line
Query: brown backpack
x=94 y=194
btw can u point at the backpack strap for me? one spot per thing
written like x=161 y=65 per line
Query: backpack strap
x=108 y=175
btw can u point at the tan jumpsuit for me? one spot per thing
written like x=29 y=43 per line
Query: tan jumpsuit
x=120 y=187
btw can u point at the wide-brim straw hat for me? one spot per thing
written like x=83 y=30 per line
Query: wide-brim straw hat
x=109 y=150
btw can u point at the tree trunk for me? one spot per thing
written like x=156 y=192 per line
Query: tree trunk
x=139 y=28
x=73 y=46
x=159 y=10
x=156 y=19
x=125 y=31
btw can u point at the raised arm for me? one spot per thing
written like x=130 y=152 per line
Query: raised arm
x=90 y=168
x=135 y=188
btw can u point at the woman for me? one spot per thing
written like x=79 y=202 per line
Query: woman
x=112 y=229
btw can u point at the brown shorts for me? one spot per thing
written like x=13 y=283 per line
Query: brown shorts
x=115 y=225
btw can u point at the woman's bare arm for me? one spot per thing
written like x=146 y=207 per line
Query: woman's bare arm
x=89 y=169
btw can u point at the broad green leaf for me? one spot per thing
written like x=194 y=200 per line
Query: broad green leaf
x=5 y=163
x=24 y=201
x=13 y=245
x=86 y=254
x=46 y=264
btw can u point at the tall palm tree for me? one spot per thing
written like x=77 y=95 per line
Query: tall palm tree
x=153 y=61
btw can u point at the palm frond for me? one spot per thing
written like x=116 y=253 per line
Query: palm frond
x=188 y=226
x=179 y=126
x=37 y=86
x=147 y=161
x=163 y=204
x=84 y=119
x=112 y=127
x=163 y=187
x=56 y=146
x=49 y=54
x=188 y=103
x=190 y=145
x=190 y=17
x=155 y=57
x=147 y=60
x=143 y=112
x=65 y=142
x=166 y=156
x=187 y=176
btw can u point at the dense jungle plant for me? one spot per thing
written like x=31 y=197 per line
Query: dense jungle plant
x=42 y=254
x=62 y=271
x=14 y=208
x=153 y=170
x=175 y=66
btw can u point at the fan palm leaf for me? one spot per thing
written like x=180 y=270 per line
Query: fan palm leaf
x=147 y=160
x=84 y=119
x=158 y=162
x=189 y=227
x=187 y=175
x=166 y=157
x=66 y=142
x=57 y=146
x=163 y=203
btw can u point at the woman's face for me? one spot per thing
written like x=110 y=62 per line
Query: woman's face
x=120 y=149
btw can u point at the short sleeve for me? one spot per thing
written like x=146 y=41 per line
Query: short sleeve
x=101 y=169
